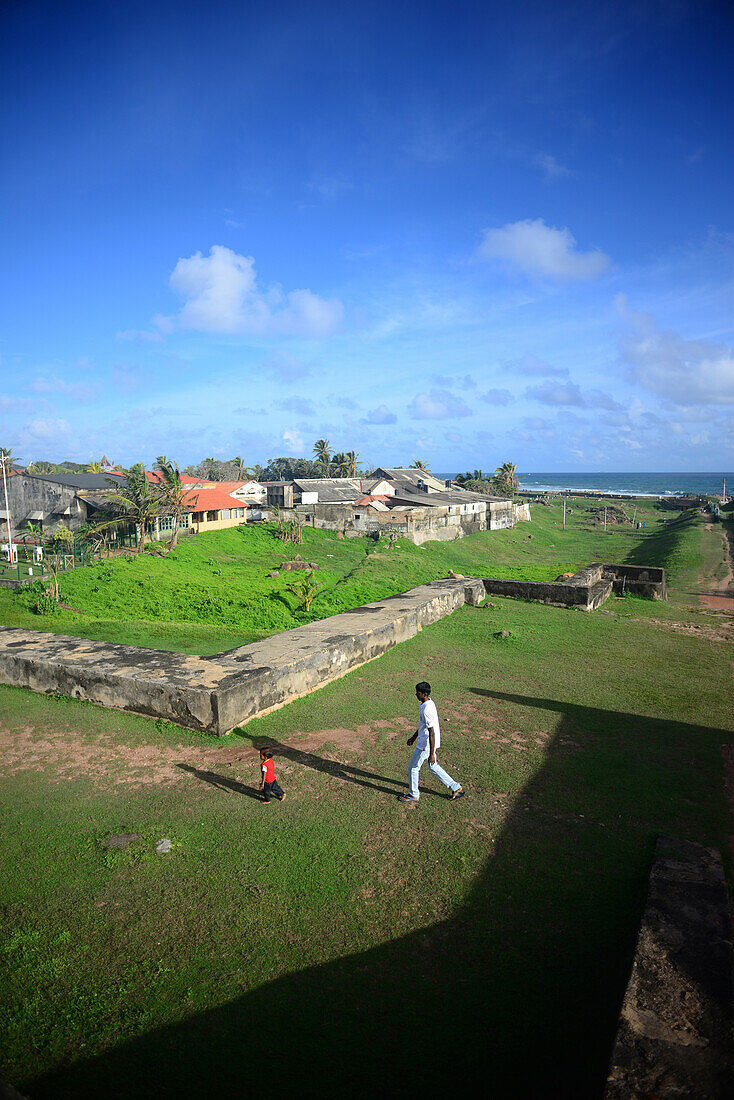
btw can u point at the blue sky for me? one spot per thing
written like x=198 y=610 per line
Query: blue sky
x=466 y=233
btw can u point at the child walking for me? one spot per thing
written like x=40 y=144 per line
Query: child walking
x=268 y=783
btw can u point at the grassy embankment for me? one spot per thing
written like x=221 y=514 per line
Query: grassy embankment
x=354 y=939
x=213 y=592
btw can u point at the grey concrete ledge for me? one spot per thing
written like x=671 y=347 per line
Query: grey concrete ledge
x=675 y=1028
x=217 y=693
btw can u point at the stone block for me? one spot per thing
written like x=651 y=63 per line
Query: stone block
x=675 y=1029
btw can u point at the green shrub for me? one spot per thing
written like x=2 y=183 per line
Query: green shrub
x=45 y=605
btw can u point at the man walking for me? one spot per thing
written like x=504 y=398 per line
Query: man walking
x=428 y=736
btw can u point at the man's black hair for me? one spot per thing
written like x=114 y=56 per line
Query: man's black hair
x=423 y=687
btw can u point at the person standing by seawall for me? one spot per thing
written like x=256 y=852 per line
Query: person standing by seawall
x=428 y=736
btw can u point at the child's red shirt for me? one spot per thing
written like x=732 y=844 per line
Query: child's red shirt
x=268 y=768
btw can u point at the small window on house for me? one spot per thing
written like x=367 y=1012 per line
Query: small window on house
x=357 y=515
x=225 y=513
x=212 y=517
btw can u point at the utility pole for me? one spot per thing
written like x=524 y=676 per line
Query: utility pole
x=564 y=513
x=605 y=517
x=3 y=460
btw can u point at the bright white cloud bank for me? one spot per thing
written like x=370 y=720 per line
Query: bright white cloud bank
x=686 y=372
x=221 y=294
x=542 y=252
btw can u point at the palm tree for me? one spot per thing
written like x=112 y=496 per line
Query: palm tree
x=351 y=458
x=211 y=468
x=6 y=457
x=239 y=465
x=173 y=496
x=419 y=464
x=340 y=464
x=279 y=466
x=506 y=477
x=137 y=502
x=321 y=451
x=94 y=468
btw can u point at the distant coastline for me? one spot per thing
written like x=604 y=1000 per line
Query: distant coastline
x=627 y=484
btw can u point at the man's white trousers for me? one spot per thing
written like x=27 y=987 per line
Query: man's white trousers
x=417 y=761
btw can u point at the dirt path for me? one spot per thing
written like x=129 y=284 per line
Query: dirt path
x=721 y=593
x=111 y=762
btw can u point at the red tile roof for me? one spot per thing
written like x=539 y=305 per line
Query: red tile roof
x=373 y=496
x=212 y=497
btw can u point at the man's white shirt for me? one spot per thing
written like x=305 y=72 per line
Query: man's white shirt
x=428 y=717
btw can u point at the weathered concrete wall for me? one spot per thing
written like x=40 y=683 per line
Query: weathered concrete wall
x=586 y=592
x=501 y=514
x=28 y=494
x=430 y=524
x=639 y=580
x=675 y=1028
x=220 y=692
x=588 y=588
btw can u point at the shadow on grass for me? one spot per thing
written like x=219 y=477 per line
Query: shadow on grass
x=221 y=782
x=518 y=989
x=346 y=772
x=659 y=547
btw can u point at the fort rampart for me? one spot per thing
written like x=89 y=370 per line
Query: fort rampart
x=215 y=694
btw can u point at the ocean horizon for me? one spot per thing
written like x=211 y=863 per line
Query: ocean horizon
x=626 y=483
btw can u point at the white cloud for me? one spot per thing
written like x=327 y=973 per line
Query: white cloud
x=221 y=294
x=286 y=367
x=47 y=430
x=552 y=168
x=497 y=397
x=7 y=401
x=52 y=384
x=541 y=252
x=380 y=415
x=294 y=440
x=531 y=365
x=569 y=393
x=437 y=405
x=303 y=405
x=686 y=372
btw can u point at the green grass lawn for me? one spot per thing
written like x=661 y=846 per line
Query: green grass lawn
x=359 y=943
x=214 y=593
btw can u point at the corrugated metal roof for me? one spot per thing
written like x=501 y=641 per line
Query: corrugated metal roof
x=81 y=481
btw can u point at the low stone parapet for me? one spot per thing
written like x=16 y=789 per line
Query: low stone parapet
x=217 y=693
x=588 y=588
x=675 y=1029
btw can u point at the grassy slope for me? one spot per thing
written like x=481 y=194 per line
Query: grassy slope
x=342 y=929
x=213 y=592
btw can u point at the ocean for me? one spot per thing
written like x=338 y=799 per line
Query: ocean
x=628 y=484
x=632 y=484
